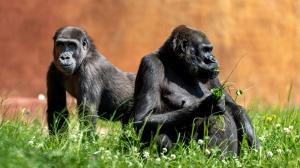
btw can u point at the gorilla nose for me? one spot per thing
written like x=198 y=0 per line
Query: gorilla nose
x=62 y=58
x=209 y=59
x=65 y=56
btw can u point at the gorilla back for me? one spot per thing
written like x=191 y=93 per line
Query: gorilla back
x=100 y=88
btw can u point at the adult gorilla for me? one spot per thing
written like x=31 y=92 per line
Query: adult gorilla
x=173 y=95
x=100 y=88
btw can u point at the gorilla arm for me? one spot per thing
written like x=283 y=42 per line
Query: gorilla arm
x=241 y=118
x=148 y=101
x=89 y=96
x=57 y=111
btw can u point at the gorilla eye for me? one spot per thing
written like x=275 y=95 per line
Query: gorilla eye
x=72 y=45
x=59 y=44
x=207 y=47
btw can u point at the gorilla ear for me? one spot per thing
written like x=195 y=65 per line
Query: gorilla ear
x=180 y=44
x=183 y=45
x=84 y=44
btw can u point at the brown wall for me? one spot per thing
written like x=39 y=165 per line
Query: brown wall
x=265 y=34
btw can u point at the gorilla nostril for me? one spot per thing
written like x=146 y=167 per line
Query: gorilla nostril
x=209 y=59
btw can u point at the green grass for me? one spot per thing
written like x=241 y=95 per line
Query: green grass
x=28 y=145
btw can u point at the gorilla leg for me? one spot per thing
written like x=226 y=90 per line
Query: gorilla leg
x=244 y=125
x=164 y=141
x=222 y=131
x=87 y=111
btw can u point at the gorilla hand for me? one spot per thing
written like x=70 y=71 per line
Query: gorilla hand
x=208 y=105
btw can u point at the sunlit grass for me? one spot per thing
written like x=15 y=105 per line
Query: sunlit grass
x=28 y=145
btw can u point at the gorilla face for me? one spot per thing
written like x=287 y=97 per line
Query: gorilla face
x=194 y=51
x=70 y=48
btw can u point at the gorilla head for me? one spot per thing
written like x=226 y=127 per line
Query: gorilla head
x=71 y=45
x=191 y=49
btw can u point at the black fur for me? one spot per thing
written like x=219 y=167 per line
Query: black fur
x=100 y=88
x=173 y=91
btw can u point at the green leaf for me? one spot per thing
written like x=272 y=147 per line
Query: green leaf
x=217 y=92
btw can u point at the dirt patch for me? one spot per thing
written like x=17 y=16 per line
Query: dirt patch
x=30 y=109
x=25 y=108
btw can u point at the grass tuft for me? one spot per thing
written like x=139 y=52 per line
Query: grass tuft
x=28 y=145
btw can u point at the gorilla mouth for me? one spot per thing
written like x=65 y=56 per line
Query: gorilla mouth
x=66 y=65
x=67 y=68
x=208 y=70
x=200 y=69
x=217 y=69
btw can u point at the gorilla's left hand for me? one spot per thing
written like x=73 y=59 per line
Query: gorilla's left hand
x=218 y=106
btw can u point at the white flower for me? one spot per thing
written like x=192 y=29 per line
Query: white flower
x=129 y=164
x=164 y=150
x=269 y=154
x=291 y=127
x=41 y=97
x=40 y=145
x=286 y=130
x=75 y=137
x=279 y=151
x=289 y=151
x=238 y=163
x=207 y=151
x=224 y=161
x=146 y=154
x=134 y=149
x=200 y=142
x=277 y=125
x=107 y=152
x=158 y=159
x=173 y=156
x=262 y=138
x=30 y=142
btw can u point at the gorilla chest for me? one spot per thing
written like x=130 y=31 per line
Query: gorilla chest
x=178 y=95
x=72 y=86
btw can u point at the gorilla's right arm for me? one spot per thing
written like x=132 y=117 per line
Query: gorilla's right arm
x=148 y=98
x=57 y=111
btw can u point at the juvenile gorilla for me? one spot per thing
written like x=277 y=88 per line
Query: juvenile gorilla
x=173 y=94
x=100 y=88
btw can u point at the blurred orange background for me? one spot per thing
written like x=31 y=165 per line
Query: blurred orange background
x=265 y=35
